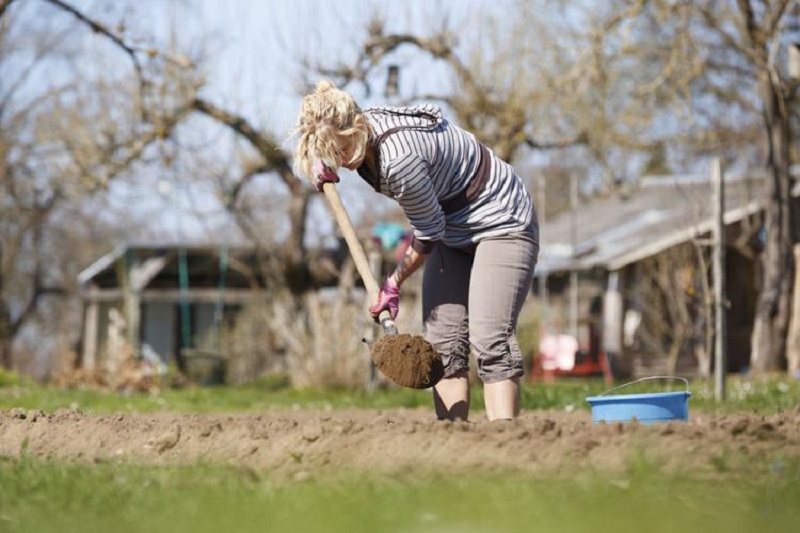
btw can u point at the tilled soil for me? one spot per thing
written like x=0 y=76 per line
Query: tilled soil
x=308 y=443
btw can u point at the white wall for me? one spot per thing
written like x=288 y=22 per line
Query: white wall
x=203 y=316
x=158 y=329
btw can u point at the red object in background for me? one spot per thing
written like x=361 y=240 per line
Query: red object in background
x=553 y=359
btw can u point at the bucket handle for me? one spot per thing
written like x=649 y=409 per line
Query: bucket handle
x=685 y=381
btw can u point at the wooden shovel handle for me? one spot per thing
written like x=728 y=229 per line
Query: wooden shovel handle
x=357 y=253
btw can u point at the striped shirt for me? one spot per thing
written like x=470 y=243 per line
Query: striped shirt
x=427 y=161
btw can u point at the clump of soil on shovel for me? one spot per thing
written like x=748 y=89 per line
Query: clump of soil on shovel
x=408 y=360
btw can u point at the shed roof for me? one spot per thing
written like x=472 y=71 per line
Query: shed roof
x=662 y=212
x=104 y=266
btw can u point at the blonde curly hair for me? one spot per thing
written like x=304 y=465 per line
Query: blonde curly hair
x=330 y=127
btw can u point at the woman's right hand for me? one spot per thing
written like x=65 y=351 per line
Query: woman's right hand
x=322 y=174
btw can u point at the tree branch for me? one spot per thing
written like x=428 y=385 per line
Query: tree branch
x=232 y=195
x=293 y=264
x=773 y=19
x=39 y=289
x=4 y=5
x=31 y=305
x=379 y=44
x=750 y=24
x=581 y=138
x=275 y=158
x=115 y=158
x=729 y=40
x=99 y=28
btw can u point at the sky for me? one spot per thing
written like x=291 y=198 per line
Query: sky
x=252 y=51
x=256 y=44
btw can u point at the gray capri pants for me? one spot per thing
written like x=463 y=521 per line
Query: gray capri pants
x=476 y=299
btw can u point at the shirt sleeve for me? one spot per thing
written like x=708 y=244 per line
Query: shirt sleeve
x=408 y=181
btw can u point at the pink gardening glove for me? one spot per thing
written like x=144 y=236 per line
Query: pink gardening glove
x=322 y=174
x=388 y=298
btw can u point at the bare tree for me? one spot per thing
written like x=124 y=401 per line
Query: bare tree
x=62 y=145
x=272 y=159
x=609 y=91
x=493 y=97
x=673 y=295
x=631 y=84
x=761 y=26
x=708 y=78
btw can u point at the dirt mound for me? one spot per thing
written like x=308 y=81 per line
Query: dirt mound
x=303 y=443
x=408 y=360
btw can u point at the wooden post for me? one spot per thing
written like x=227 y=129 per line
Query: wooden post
x=125 y=267
x=573 y=276
x=613 y=315
x=793 y=339
x=541 y=213
x=90 y=335
x=6 y=358
x=720 y=327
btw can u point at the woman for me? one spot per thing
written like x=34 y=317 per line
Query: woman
x=474 y=227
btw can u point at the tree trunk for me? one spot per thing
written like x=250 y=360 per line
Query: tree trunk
x=774 y=301
x=6 y=360
x=296 y=271
x=793 y=338
x=5 y=323
x=6 y=333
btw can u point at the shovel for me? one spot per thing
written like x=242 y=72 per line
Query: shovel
x=408 y=360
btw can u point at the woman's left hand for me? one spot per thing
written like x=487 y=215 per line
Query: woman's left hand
x=388 y=298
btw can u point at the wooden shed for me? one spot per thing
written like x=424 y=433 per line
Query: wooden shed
x=162 y=299
x=594 y=259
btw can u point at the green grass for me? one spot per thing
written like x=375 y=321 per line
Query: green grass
x=206 y=399
x=762 y=396
x=8 y=378
x=41 y=497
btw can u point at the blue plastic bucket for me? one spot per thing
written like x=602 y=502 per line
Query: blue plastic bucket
x=645 y=408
